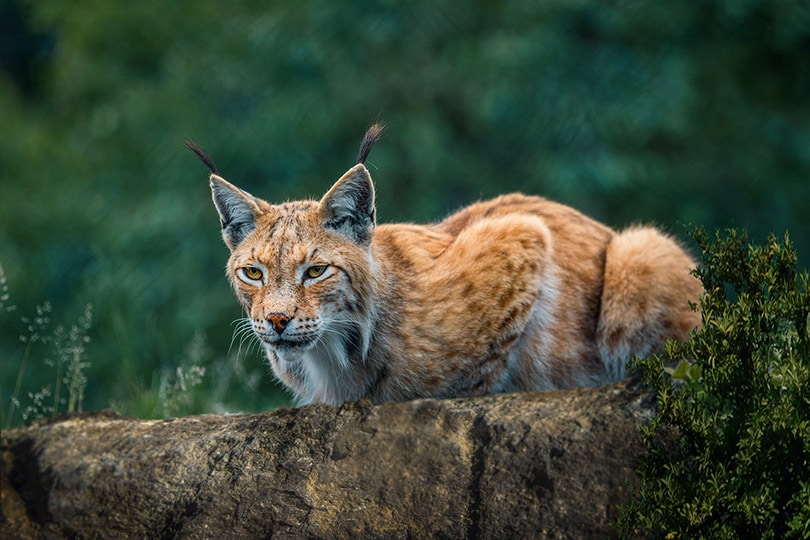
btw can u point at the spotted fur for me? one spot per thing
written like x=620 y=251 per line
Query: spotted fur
x=516 y=293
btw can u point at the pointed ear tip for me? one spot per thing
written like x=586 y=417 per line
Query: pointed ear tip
x=355 y=171
x=360 y=168
x=216 y=180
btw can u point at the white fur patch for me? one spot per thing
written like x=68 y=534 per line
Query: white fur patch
x=542 y=319
x=329 y=375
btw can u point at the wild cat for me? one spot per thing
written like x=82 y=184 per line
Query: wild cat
x=516 y=293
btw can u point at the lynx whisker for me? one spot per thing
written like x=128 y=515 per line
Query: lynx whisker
x=244 y=332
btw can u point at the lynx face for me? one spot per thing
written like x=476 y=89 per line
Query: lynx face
x=301 y=269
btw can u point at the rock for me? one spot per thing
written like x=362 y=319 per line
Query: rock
x=528 y=465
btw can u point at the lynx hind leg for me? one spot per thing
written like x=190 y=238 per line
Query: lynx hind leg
x=484 y=286
x=646 y=295
x=493 y=267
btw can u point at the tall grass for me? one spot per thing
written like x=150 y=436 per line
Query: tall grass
x=49 y=372
x=59 y=348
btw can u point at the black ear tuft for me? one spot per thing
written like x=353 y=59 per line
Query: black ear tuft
x=372 y=135
x=200 y=153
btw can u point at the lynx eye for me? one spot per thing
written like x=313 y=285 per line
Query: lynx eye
x=252 y=273
x=315 y=271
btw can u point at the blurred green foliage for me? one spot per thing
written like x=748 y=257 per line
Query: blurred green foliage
x=667 y=112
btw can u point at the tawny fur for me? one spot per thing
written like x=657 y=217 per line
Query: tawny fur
x=516 y=293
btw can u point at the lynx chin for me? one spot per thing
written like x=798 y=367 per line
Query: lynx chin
x=516 y=293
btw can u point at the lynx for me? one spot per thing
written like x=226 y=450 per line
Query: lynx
x=512 y=294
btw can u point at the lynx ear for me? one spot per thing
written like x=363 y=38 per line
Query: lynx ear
x=237 y=211
x=348 y=208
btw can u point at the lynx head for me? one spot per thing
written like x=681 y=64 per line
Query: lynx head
x=302 y=269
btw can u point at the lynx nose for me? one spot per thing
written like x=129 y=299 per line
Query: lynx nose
x=279 y=321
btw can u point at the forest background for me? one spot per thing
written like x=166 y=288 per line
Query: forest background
x=678 y=113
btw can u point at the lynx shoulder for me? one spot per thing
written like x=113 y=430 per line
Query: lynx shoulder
x=516 y=293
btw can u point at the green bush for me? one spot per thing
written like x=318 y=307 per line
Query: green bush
x=729 y=449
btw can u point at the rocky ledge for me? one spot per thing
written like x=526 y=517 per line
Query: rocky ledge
x=553 y=464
